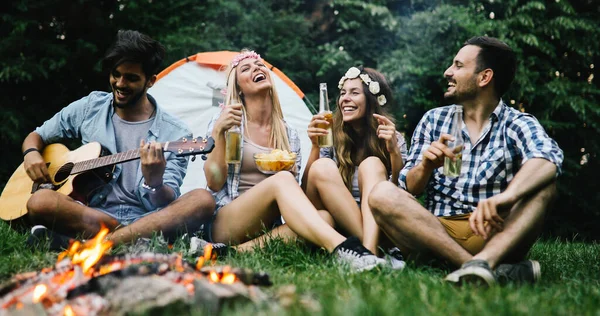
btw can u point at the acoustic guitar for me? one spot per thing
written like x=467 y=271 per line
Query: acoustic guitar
x=79 y=173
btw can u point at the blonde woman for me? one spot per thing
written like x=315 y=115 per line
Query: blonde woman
x=248 y=200
x=367 y=150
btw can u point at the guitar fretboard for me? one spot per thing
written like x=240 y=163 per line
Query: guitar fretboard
x=100 y=162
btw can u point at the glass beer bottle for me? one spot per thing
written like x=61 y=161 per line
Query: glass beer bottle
x=452 y=168
x=233 y=145
x=326 y=140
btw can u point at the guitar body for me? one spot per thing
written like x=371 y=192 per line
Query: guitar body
x=80 y=172
x=59 y=159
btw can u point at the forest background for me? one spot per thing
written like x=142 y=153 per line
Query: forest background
x=50 y=52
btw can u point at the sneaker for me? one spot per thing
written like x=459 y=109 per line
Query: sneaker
x=352 y=253
x=528 y=271
x=197 y=246
x=475 y=272
x=395 y=259
x=41 y=235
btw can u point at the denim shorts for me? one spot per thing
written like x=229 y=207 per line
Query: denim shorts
x=125 y=214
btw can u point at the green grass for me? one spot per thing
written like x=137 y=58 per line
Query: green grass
x=570 y=283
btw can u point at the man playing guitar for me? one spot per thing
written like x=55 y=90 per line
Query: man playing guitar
x=140 y=197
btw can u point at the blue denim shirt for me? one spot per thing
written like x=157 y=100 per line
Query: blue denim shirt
x=90 y=120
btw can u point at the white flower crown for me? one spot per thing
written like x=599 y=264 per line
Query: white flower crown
x=373 y=85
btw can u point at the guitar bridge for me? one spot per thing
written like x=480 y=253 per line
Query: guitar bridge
x=38 y=186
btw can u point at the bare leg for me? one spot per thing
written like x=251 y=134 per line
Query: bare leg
x=522 y=226
x=410 y=226
x=186 y=213
x=284 y=232
x=64 y=215
x=326 y=190
x=263 y=203
x=370 y=172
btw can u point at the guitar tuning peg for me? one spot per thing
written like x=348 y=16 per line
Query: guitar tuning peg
x=193 y=158
x=204 y=157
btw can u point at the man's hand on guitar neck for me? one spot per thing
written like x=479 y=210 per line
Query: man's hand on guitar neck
x=153 y=163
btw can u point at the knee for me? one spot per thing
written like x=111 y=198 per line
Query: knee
x=385 y=198
x=322 y=169
x=202 y=200
x=283 y=178
x=370 y=165
x=40 y=203
x=326 y=216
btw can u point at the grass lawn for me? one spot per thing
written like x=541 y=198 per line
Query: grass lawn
x=570 y=282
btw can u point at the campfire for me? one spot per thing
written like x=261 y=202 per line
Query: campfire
x=87 y=281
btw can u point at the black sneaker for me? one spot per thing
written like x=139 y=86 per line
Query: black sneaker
x=352 y=253
x=475 y=272
x=528 y=271
x=395 y=259
x=41 y=235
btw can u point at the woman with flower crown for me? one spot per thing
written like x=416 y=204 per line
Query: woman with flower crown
x=366 y=149
x=248 y=200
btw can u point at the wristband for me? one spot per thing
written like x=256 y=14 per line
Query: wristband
x=151 y=189
x=28 y=150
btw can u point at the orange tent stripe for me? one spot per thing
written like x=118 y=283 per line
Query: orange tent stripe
x=219 y=60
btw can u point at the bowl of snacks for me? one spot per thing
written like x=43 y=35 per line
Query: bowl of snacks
x=275 y=161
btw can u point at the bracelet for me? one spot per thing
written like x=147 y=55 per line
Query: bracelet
x=151 y=189
x=28 y=150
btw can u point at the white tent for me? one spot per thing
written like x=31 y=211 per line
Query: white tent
x=191 y=90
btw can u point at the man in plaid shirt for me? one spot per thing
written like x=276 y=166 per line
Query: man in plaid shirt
x=486 y=219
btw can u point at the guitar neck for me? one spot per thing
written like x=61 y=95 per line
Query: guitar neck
x=104 y=161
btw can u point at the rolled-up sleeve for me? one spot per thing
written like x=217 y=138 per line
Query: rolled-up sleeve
x=65 y=124
x=532 y=141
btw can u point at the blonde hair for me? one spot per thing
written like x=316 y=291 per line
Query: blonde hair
x=347 y=142
x=278 y=138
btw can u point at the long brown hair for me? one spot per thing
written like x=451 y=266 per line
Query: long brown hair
x=278 y=138
x=347 y=141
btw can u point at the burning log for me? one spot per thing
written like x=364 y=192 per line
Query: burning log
x=86 y=281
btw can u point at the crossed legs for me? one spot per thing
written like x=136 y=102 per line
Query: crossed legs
x=64 y=215
x=413 y=228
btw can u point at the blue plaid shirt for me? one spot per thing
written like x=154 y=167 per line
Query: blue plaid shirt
x=230 y=192
x=507 y=142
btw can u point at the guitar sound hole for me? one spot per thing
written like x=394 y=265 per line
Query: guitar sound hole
x=63 y=173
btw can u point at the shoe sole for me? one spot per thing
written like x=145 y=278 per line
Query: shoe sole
x=471 y=275
x=537 y=270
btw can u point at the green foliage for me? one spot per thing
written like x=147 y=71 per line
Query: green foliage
x=51 y=51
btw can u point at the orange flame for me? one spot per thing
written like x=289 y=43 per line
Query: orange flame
x=213 y=276
x=228 y=278
x=39 y=292
x=88 y=254
x=68 y=311
x=207 y=252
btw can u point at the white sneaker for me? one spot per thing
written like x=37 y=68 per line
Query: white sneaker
x=352 y=253
x=395 y=259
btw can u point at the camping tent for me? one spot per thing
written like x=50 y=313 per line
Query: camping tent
x=191 y=90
